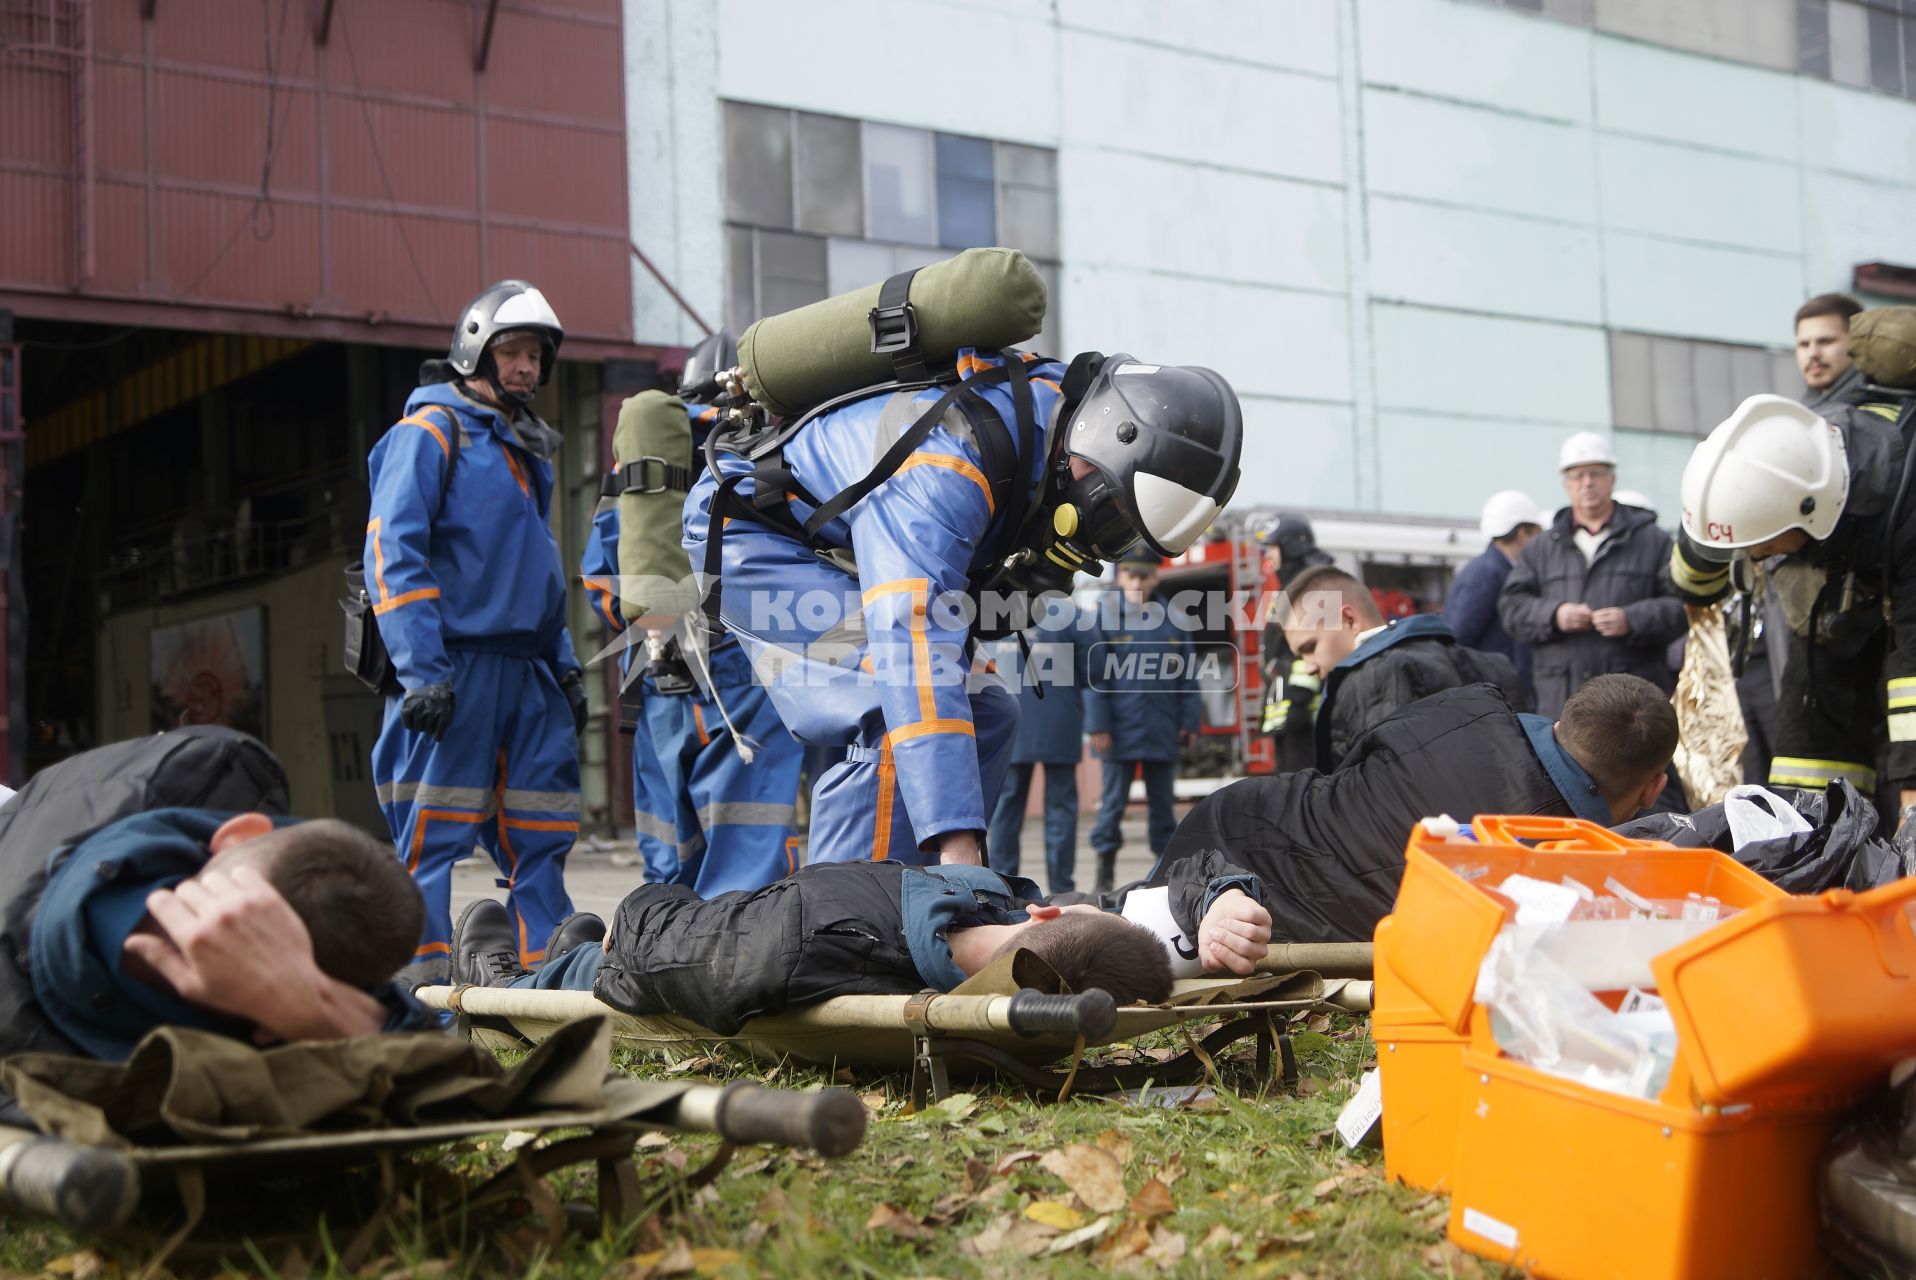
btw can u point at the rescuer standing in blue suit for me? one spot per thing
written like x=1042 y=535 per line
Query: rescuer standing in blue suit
x=470 y=598
x=863 y=626
x=708 y=814
x=1141 y=708
x=1050 y=683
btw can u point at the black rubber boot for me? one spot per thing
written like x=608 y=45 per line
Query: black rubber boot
x=1107 y=871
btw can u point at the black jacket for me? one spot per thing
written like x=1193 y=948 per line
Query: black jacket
x=1410 y=658
x=1329 y=848
x=830 y=929
x=1631 y=569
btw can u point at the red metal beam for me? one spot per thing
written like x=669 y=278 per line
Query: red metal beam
x=374 y=331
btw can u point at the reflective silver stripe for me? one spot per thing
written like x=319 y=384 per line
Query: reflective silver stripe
x=566 y=802
x=435 y=796
x=1902 y=726
x=656 y=827
x=744 y=814
x=1796 y=771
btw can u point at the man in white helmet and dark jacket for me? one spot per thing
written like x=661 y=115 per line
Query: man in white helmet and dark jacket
x=1591 y=595
x=1831 y=494
x=861 y=606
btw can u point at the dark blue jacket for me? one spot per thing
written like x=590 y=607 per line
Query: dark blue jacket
x=1407 y=659
x=95 y=898
x=1471 y=612
x=1142 y=687
x=1051 y=727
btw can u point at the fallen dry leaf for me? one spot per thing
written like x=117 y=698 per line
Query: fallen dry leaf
x=890 y=1218
x=1055 y=1214
x=770 y=1206
x=1318 y=1022
x=977 y=1174
x=1128 y=1241
x=1117 y=1144
x=87 y=1264
x=676 y=1259
x=1083 y=1235
x=842 y=1076
x=1173 y=1169
x=1167 y=1247
x=1153 y=1200
x=1355 y=1174
x=1006 y=1233
x=1011 y=1162
x=1091 y=1172
x=1447 y=1259
x=875 y=1100
x=648 y=1141
x=1220 y=1237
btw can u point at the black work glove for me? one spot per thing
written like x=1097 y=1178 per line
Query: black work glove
x=572 y=685
x=428 y=710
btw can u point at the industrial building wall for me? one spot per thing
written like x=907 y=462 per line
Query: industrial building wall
x=1425 y=239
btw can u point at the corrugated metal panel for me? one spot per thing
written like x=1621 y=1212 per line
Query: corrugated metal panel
x=375 y=214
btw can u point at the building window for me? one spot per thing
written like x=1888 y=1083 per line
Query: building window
x=1868 y=44
x=1681 y=387
x=816 y=205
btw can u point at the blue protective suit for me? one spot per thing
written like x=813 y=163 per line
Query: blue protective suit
x=705 y=817
x=873 y=652
x=468 y=588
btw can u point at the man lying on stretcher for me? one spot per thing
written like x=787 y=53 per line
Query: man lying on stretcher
x=867 y=928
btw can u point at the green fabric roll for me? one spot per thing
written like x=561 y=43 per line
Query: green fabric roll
x=1883 y=344
x=655 y=577
x=985 y=298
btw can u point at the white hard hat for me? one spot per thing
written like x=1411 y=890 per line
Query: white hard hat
x=1586 y=449
x=1632 y=498
x=1505 y=510
x=1770 y=467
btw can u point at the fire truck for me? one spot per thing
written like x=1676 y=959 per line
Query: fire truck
x=1408 y=563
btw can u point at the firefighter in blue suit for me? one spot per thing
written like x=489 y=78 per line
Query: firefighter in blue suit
x=709 y=815
x=1141 y=708
x=470 y=598
x=862 y=624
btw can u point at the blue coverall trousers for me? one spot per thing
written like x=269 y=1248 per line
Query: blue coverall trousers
x=509 y=767
x=1060 y=822
x=706 y=818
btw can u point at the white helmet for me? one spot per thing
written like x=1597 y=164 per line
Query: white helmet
x=1505 y=510
x=1632 y=498
x=1770 y=467
x=1586 y=449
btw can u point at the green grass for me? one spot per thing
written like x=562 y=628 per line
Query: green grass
x=1248 y=1182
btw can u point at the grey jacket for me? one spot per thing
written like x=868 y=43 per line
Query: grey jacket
x=1631 y=569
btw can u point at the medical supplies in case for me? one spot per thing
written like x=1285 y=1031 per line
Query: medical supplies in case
x=1786 y=1011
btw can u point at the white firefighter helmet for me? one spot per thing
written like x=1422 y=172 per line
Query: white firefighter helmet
x=1505 y=510
x=1770 y=467
x=1585 y=449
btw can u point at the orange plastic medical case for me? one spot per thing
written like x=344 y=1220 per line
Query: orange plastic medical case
x=1787 y=1013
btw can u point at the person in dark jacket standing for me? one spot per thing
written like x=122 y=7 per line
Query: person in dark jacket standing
x=1831 y=380
x=872 y=928
x=1592 y=595
x=1051 y=681
x=1372 y=669
x=1510 y=520
x=1291 y=692
x=1329 y=848
x=1141 y=708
